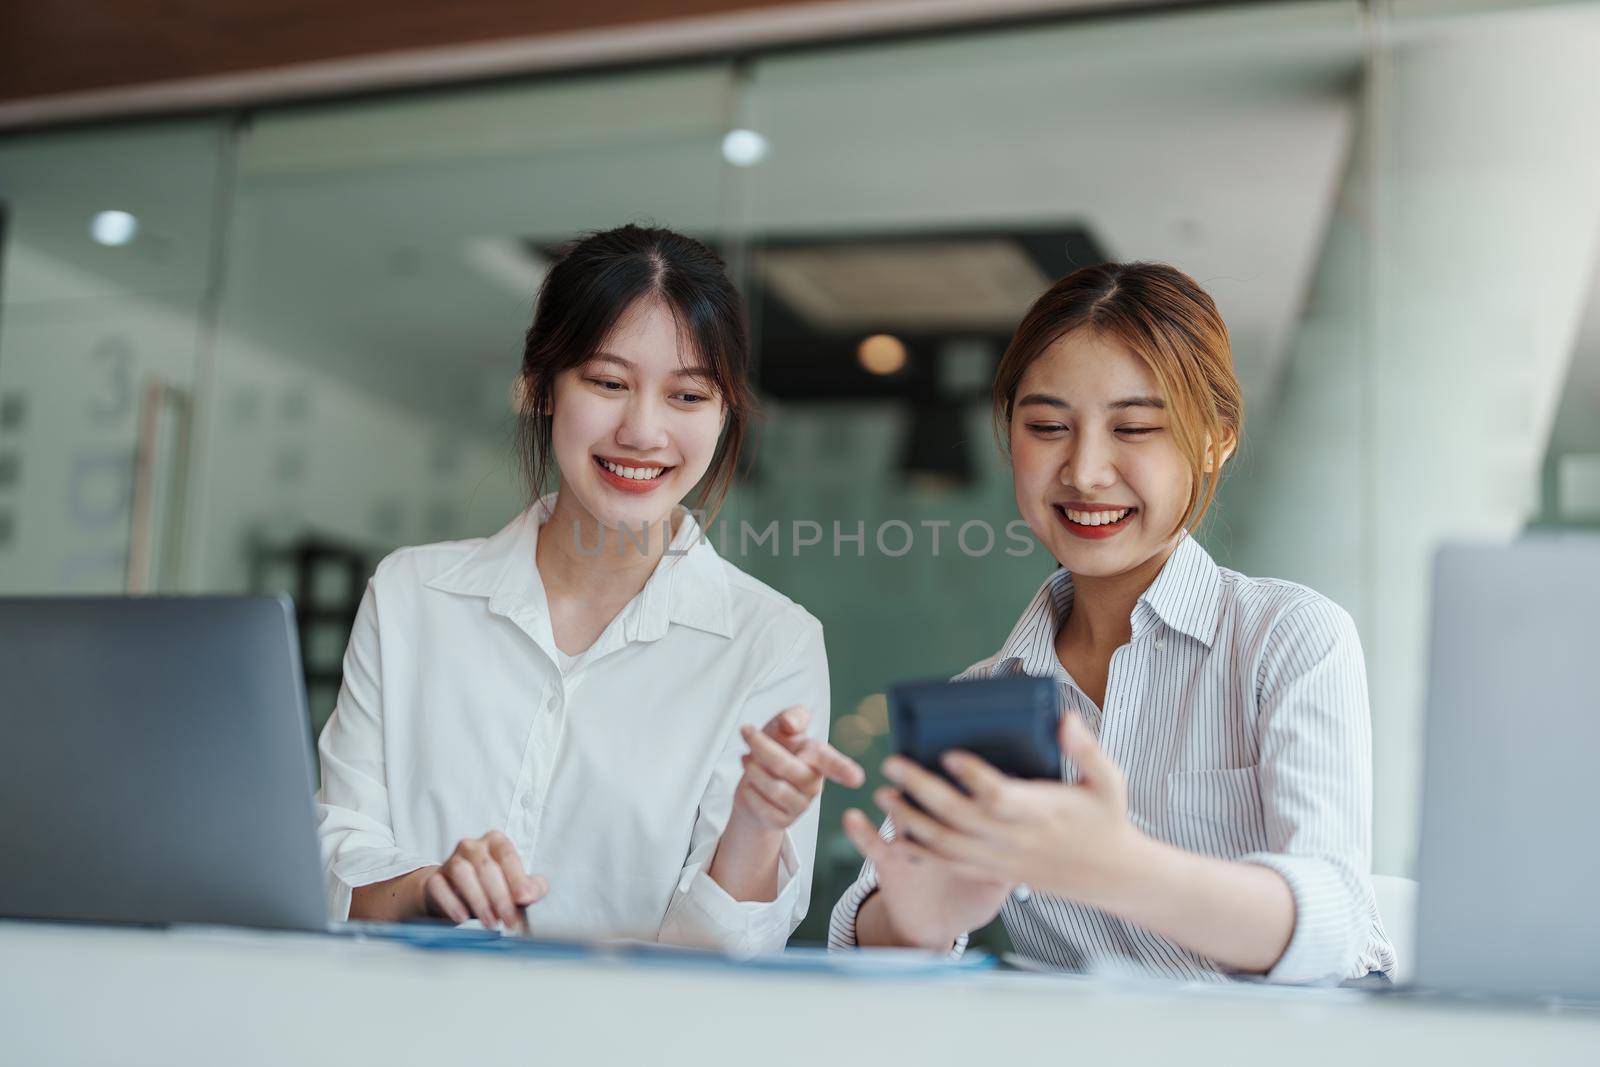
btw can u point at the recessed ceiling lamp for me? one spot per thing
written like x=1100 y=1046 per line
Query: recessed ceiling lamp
x=114 y=228
x=882 y=353
x=745 y=148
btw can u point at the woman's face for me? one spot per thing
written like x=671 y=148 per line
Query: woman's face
x=1099 y=478
x=634 y=429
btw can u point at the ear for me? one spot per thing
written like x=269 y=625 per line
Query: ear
x=1217 y=455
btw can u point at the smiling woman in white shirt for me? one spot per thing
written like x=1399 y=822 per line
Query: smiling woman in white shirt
x=590 y=715
x=1214 y=814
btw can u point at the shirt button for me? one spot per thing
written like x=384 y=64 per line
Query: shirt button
x=1021 y=894
x=1161 y=643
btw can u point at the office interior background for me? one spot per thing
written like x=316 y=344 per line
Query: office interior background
x=255 y=348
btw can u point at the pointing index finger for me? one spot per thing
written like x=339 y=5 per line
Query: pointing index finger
x=833 y=764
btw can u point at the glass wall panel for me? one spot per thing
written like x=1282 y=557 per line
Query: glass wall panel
x=105 y=304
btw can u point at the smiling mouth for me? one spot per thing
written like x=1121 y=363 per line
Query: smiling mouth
x=631 y=478
x=1094 y=518
x=1097 y=523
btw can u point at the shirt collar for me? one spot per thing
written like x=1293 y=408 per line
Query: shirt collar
x=1031 y=646
x=688 y=586
x=1186 y=596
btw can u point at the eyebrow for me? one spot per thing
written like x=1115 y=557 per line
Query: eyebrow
x=699 y=372
x=1116 y=405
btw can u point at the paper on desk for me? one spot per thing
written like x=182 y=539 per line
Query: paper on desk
x=862 y=962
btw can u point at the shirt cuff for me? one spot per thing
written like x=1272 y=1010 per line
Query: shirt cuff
x=1321 y=949
x=842 y=924
x=705 y=915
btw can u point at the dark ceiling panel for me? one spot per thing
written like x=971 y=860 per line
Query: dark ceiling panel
x=799 y=360
x=61 y=46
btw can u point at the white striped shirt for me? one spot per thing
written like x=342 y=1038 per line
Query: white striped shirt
x=1238 y=713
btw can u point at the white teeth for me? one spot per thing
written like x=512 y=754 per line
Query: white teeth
x=638 y=474
x=1097 y=518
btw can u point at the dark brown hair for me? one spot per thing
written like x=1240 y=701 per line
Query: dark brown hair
x=589 y=288
x=1163 y=317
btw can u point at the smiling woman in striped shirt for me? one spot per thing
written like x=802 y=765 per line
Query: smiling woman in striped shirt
x=1214 y=818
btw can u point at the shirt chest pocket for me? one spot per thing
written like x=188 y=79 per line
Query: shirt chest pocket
x=1216 y=812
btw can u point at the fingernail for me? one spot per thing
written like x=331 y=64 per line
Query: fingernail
x=891 y=769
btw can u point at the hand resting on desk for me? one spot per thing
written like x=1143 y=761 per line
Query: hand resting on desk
x=483 y=879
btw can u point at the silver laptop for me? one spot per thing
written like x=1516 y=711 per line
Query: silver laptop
x=1509 y=860
x=155 y=763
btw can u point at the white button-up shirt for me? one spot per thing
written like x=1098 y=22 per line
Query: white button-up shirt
x=614 y=779
x=1238 y=714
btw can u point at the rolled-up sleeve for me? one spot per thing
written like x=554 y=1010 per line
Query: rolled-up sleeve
x=1315 y=774
x=701 y=912
x=842 y=922
x=358 y=844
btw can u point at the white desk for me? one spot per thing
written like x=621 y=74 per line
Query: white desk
x=85 y=995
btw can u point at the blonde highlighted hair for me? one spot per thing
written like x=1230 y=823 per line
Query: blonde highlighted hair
x=1166 y=320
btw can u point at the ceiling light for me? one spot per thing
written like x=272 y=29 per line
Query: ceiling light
x=882 y=353
x=114 y=228
x=745 y=148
